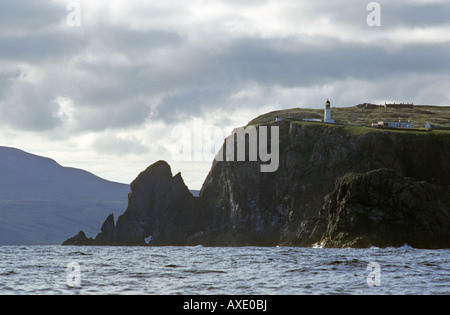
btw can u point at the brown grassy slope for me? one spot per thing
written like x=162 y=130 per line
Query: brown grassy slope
x=438 y=116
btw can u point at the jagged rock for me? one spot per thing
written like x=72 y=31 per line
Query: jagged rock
x=381 y=208
x=240 y=205
x=79 y=240
x=107 y=233
x=247 y=207
x=160 y=208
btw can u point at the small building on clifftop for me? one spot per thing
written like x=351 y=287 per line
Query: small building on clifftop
x=395 y=124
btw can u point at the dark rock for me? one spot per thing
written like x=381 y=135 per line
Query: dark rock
x=79 y=240
x=247 y=207
x=107 y=233
x=160 y=206
x=239 y=205
x=381 y=208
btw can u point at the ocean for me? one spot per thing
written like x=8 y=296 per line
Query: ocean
x=60 y=270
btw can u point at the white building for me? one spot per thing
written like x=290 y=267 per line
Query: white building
x=395 y=124
x=327 y=113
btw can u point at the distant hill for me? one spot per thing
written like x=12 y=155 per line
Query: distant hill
x=42 y=202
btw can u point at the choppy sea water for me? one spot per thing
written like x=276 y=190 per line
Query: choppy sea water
x=222 y=270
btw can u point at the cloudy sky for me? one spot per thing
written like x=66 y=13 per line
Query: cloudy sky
x=111 y=93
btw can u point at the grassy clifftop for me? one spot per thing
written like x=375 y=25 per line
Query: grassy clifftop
x=239 y=205
x=437 y=116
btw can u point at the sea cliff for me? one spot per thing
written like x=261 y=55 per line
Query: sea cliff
x=337 y=185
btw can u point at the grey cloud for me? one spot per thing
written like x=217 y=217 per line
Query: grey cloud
x=38 y=47
x=30 y=16
x=122 y=115
x=32 y=113
x=191 y=77
x=138 y=41
x=262 y=61
x=414 y=15
x=110 y=144
x=190 y=102
x=54 y=44
x=394 y=13
x=265 y=62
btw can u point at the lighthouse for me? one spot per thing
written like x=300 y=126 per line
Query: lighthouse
x=327 y=113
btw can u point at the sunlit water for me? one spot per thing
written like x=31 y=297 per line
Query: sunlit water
x=221 y=270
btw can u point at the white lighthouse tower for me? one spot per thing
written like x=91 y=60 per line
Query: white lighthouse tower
x=327 y=113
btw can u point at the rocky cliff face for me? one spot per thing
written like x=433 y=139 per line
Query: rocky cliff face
x=381 y=208
x=160 y=206
x=240 y=205
x=161 y=211
x=256 y=208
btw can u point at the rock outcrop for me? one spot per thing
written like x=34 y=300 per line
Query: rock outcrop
x=239 y=205
x=80 y=239
x=381 y=208
x=161 y=211
x=247 y=207
x=160 y=206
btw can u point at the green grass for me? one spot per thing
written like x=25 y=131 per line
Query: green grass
x=356 y=121
x=438 y=116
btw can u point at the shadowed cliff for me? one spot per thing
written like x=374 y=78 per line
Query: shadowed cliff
x=239 y=205
x=161 y=211
x=381 y=208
